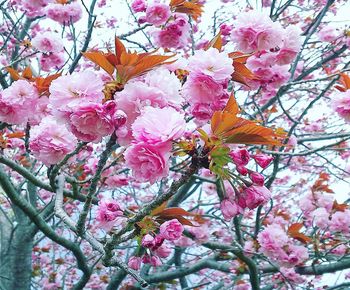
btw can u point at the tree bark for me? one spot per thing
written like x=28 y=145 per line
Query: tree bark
x=16 y=251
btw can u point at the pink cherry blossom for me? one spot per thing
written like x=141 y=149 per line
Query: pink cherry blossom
x=240 y=156
x=168 y=83
x=257 y=178
x=229 y=209
x=327 y=34
x=68 y=92
x=340 y=222
x=148 y=241
x=291 y=45
x=341 y=104
x=175 y=34
x=34 y=8
x=108 y=213
x=262 y=160
x=92 y=121
x=201 y=88
x=18 y=102
x=152 y=260
x=256 y=195
x=48 y=42
x=272 y=238
x=163 y=251
x=321 y=217
x=212 y=63
x=138 y=5
x=157 y=13
x=171 y=230
x=148 y=162
x=156 y=125
x=275 y=244
x=64 y=13
x=51 y=141
x=255 y=31
x=134 y=263
x=52 y=61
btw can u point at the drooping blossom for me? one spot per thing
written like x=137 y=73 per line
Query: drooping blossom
x=157 y=13
x=152 y=260
x=341 y=104
x=138 y=5
x=48 y=42
x=212 y=63
x=91 y=122
x=108 y=213
x=175 y=34
x=262 y=160
x=257 y=178
x=240 y=156
x=148 y=162
x=202 y=88
x=171 y=230
x=291 y=45
x=229 y=209
x=64 y=13
x=134 y=263
x=163 y=251
x=68 y=92
x=275 y=244
x=18 y=102
x=256 y=195
x=255 y=31
x=158 y=125
x=51 y=61
x=50 y=141
x=327 y=34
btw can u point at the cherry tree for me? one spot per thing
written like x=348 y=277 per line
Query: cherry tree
x=174 y=144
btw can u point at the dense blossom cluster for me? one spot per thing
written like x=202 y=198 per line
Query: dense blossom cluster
x=169 y=161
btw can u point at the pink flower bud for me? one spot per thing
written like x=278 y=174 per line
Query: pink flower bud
x=242 y=170
x=240 y=156
x=163 y=251
x=263 y=160
x=119 y=118
x=229 y=209
x=257 y=178
x=138 y=6
x=256 y=195
x=171 y=230
x=153 y=260
x=148 y=241
x=158 y=241
x=134 y=263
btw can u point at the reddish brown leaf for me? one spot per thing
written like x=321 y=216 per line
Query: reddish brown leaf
x=17 y=134
x=193 y=8
x=13 y=73
x=232 y=129
x=101 y=60
x=294 y=232
x=119 y=48
x=43 y=84
x=216 y=42
x=27 y=73
x=159 y=209
x=339 y=207
x=171 y=211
